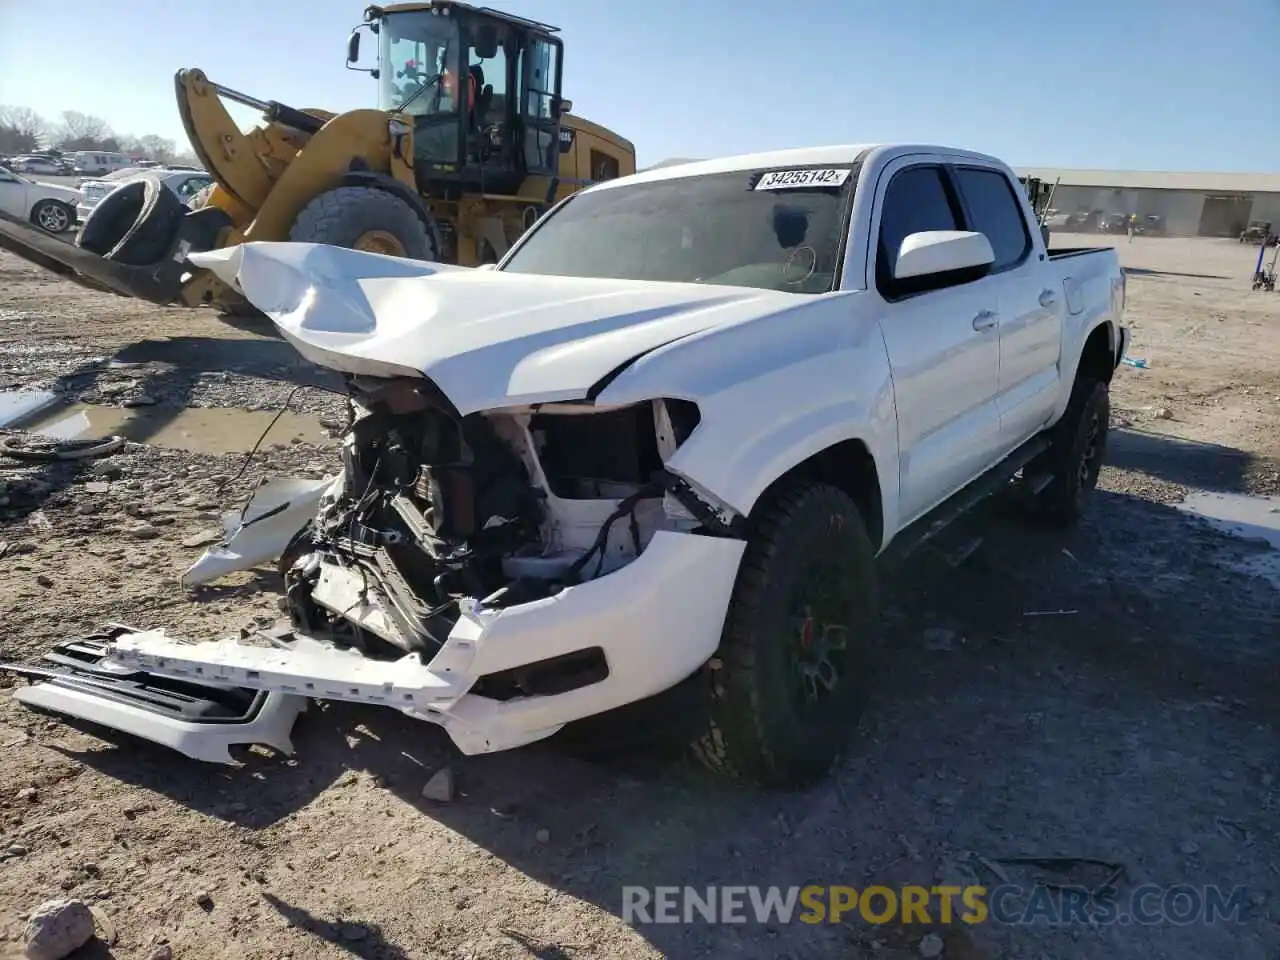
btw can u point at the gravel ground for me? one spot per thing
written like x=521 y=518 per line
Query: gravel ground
x=1136 y=723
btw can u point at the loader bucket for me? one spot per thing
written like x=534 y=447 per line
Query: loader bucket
x=159 y=282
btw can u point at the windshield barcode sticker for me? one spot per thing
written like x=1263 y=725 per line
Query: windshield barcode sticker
x=791 y=179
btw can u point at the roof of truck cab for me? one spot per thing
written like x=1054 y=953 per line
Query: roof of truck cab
x=836 y=155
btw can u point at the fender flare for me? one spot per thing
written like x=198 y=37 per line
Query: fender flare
x=389 y=184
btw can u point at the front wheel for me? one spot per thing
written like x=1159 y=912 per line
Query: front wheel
x=791 y=676
x=368 y=219
x=52 y=216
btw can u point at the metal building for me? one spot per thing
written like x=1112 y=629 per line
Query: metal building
x=1192 y=204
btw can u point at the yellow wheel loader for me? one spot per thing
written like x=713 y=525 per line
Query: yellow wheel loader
x=470 y=144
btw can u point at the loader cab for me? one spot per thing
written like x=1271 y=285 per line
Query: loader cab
x=482 y=89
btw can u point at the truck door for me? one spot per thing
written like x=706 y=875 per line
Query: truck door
x=1030 y=308
x=942 y=346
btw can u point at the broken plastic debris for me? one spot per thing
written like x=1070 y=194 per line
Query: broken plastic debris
x=1139 y=362
x=1061 y=872
x=277 y=511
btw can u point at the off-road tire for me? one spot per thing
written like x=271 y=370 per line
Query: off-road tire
x=340 y=216
x=755 y=730
x=47 y=211
x=135 y=224
x=1076 y=456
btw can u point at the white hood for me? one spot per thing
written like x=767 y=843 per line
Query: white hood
x=487 y=339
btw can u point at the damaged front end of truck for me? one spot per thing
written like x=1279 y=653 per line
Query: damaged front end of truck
x=500 y=572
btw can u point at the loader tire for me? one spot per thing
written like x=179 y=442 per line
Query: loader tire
x=1079 y=447
x=791 y=676
x=135 y=224
x=366 y=218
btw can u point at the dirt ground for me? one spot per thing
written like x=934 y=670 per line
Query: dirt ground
x=1134 y=719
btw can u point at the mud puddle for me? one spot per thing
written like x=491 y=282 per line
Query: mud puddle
x=212 y=430
x=1255 y=520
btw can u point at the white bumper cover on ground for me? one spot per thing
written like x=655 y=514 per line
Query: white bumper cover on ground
x=658 y=619
x=210 y=742
x=260 y=533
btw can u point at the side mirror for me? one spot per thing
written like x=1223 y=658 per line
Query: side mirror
x=486 y=43
x=944 y=257
x=353 y=46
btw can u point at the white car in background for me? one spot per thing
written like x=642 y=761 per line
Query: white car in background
x=50 y=207
x=29 y=164
x=185 y=183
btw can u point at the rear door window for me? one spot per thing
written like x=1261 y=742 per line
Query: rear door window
x=993 y=210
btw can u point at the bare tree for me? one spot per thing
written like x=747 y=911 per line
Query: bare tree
x=82 y=131
x=22 y=130
x=158 y=148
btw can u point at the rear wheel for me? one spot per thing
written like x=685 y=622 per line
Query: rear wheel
x=53 y=216
x=369 y=219
x=1079 y=446
x=791 y=675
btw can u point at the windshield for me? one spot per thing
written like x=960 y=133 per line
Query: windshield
x=418 y=64
x=775 y=229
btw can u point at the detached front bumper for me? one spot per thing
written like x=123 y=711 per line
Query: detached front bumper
x=656 y=620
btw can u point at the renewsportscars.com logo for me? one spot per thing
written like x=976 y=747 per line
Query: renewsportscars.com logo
x=1148 y=904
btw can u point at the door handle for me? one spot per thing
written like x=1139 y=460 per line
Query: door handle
x=984 y=320
x=1048 y=298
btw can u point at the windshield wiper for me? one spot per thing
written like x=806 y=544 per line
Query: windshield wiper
x=429 y=82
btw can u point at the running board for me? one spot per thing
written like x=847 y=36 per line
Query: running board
x=958 y=504
x=81 y=679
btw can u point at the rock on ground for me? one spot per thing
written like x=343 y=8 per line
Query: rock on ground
x=57 y=927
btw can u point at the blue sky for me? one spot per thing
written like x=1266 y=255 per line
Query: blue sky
x=1137 y=84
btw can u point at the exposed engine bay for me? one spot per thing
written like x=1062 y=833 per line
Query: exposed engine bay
x=503 y=507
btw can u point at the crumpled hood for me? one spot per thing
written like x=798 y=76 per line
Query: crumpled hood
x=487 y=339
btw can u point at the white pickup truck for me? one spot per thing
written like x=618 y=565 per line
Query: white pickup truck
x=661 y=445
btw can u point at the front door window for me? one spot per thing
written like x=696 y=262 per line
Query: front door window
x=420 y=77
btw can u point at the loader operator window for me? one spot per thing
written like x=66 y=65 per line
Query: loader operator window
x=769 y=229
x=420 y=77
